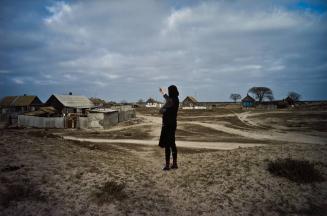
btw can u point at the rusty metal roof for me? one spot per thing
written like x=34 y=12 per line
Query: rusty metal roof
x=26 y=100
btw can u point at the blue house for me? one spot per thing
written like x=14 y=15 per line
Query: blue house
x=248 y=101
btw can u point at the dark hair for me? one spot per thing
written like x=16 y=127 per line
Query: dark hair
x=172 y=91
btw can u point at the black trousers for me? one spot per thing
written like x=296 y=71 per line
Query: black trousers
x=167 y=141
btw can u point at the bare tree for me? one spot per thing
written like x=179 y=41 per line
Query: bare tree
x=261 y=93
x=235 y=97
x=97 y=101
x=140 y=101
x=294 y=96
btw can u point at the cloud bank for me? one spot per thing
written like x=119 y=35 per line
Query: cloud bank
x=127 y=49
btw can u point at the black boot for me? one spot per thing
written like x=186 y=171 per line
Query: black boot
x=174 y=166
x=166 y=167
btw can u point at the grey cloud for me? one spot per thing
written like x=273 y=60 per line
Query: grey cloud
x=209 y=48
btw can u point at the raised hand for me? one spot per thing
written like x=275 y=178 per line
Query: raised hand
x=161 y=91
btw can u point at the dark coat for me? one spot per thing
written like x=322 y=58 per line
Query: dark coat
x=169 y=121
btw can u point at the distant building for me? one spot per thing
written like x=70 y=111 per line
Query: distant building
x=190 y=101
x=248 y=101
x=268 y=105
x=70 y=103
x=153 y=103
x=219 y=104
x=19 y=104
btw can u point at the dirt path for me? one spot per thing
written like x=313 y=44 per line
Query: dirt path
x=266 y=135
x=186 y=144
x=272 y=135
x=206 y=116
x=244 y=117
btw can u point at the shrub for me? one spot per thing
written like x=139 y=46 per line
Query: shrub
x=109 y=191
x=19 y=192
x=301 y=171
x=10 y=168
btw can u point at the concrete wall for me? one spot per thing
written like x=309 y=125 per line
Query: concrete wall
x=82 y=122
x=98 y=120
x=41 y=122
x=126 y=115
x=95 y=120
x=110 y=119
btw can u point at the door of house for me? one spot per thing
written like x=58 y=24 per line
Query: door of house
x=71 y=122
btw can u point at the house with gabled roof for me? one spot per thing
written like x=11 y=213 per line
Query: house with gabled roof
x=65 y=104
x=153 y=103
x=248 y=101
x=19 y=104
x=190 y=101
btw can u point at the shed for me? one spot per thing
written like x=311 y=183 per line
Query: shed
x=99 y=118
x=248 y=101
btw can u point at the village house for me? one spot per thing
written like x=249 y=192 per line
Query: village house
x=268 y=105
x=219 y=104
x=14 y=105
x=248 y=102
x=153 y=103
x=70 y=111
x=66 y=104
x=189 y=101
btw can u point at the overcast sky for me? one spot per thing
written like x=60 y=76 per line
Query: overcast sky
x=125 y=50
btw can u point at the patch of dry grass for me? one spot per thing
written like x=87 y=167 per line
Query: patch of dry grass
x=18 y=191
x=129 y=133
x=207 y=182
x=192 y=132
x=297 y=120
x=109 y=192
x=301 y=171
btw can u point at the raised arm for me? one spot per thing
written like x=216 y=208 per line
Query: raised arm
x=168 y=102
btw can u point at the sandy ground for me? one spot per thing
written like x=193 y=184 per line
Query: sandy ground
x=258 y=134
x=44 y=174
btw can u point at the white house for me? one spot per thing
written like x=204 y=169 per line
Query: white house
x=153 y=103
